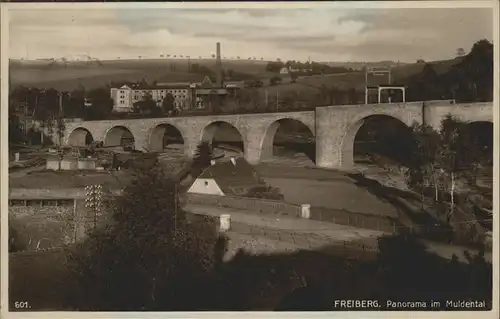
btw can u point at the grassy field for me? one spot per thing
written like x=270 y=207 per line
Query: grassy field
x=97 y=74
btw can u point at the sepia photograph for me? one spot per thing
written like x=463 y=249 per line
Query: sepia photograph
x=250 y=156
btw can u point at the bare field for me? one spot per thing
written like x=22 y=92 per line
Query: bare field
x=97 y=74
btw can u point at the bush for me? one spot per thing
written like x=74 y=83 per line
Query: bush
x=265 y=191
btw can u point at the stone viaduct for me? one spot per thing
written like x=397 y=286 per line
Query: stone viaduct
x=334 y=127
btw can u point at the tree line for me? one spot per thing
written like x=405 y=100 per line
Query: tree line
x=305 y=68
x=445 y=165
x=470 y=79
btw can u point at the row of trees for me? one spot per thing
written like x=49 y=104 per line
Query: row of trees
x=44 y=104
x=305 y=68
x=442 y=158
x=149 y=106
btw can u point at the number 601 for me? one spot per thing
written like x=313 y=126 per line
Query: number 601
x=21 y=305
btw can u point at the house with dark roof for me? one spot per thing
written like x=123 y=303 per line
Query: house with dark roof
x=234 y=177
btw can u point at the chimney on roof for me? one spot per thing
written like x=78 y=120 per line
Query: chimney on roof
x=233 y=160
x=212 y=162
x=218 y=67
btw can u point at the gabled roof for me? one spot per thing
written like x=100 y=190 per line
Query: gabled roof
x=206 y=81
x=231 y=177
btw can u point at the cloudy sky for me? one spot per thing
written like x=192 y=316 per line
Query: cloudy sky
x=321 y=33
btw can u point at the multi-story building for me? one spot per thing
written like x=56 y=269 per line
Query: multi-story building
x=125 y=96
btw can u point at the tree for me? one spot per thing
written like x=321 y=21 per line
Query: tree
x=424 y=172
x=146 y=256
x=147 y=105
x=201 y=159
x=265 y=191
x=275 y=80
x=100 y=98
x=353 y=96
x=441 y=158
x=101 y=104
x=167 y=104
x=274 y=67
x=454 y=155
x=60 y=128
x=16 y=135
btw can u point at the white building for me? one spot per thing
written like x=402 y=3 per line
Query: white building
x=122 y=99
x=125 y=96
x=284 y=70
x=235 y=177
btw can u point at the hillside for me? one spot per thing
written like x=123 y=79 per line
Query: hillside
x=311 y=85
x=92 y=74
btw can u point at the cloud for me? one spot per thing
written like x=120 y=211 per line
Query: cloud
x=322 y=33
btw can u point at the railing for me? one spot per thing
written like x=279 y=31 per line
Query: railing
x=358 y=220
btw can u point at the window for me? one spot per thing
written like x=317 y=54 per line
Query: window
x=65 y=202
x=17 y=202
x=49 y=202
x=34 y=203
x=122 y=92
x=206 y=183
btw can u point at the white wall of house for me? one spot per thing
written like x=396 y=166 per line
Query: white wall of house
x=205 y=186
x=284 y=71
x=122 y=98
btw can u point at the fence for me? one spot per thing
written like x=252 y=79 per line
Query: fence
x=268 y=206
x=358 y=220
x=310 y=241
x=255 y=204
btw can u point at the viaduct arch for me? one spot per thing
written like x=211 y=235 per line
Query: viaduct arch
x=334 y=128
x=223 y=133
x=290 y=124
x=118 y=135
x=80 y=137
x=162 y=135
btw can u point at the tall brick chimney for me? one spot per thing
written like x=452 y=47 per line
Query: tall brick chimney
x=218 y=67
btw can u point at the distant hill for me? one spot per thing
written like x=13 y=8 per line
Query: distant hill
x=68 y=74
